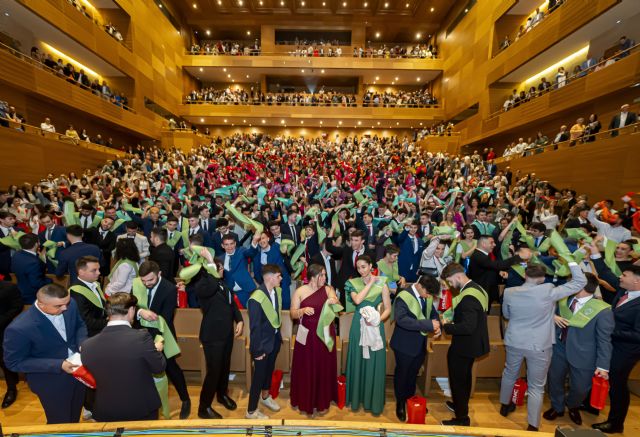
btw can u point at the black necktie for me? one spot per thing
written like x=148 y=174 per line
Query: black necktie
x=149 y=296
x=423 y=304
x=293 y=233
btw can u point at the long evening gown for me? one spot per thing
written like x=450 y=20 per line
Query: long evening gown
x=314 y=370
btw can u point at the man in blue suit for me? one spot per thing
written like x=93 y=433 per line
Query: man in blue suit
x=77 y=249
x=29 y=268
x=51 y=232
x=236 y=272
x=264 y=253
x=39 y=343
x=411 y=248
x=415 y=316
x=207 y=224
x=148 y=222
x=222 y=229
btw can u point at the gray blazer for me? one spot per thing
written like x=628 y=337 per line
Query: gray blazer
x=530 y=309
x=590 y=347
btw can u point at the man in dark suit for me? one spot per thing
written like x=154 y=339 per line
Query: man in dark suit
x=130 y=393
x=625 y=338
x=411 y=248
x=86 y=291
x=622 y=119
x=162 y=300
x=39 y=343
x=194 y=228
x=467 y=324
x=415 y=316
x=7 y=221
x=162 y=254
x=348 y=255
x=580 y=220
x=276 y=233
x=582 y=349
x=291 y=228
x=105 y=239
x=219 y=313
x=263 y=253
x=149 y=222
x=324 y=258
x=364 y=222
x=222 y=229
x=265 y=339
x=10 y=307
x=77 y=249
x=485 y=271
x=29 y=268
x=207 y=224
x=52 y=232
x=236 y=274
x=310 y=241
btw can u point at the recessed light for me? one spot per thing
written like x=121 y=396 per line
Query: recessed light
x=261 y=2
x=248 y=32
x=240 y=2
x=247 y=76
x=617 y=22
x=201 y=69
x=202 y=120
x=302 y=71
x=159 y=5
x=378 y=123
x=418 y=35
x=466 y=10
x=225 y=120
x=281 y=3
x=195 y=6
x=322 y=71
x=366 y=4
x=233 y=80
x=418 y=79
x=397 y=123
x=344 y=4
x=301 y=121
x=359 y=123
x=302 y=3
x=320 y=121
x=340 y=122
x=393 y=83
x=386 y=5
x=396 y=78
x=377 y=77
x=377 y=34
x=244 y=121
x=229 y=76
x=324 y=3
x=196 y=32
x=432 y=9
x=420 y=124
x=406 y=5
x=264 y=121
x=219 y=2
x=6 y=14
x=208 y=32
x=224 y=69
x=281 y=121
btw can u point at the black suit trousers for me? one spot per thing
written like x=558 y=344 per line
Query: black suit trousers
x=261 y=380
x=405 y=375
x=176 y=376
x=10 y=377
x=216 y=382
x=622 y=363
x=62 y=403
x=460 y=382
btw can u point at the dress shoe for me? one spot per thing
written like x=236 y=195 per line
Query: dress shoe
x=608 y=427
x=505 y=409
x=450 y=406
x=401 y=412
x=185 y=410
x=532 y=428
x=574 y=415
x=227 y=402
x=552 y=414
x=9 y=398
x=208 y=413
x=464 y=421
x=589 y=409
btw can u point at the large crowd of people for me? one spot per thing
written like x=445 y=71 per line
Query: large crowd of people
x=409 y=99
x=316 y=227
x=240 y=96
x=231 y=48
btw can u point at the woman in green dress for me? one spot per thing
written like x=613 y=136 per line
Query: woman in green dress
x=466 y=247
x=388 y=268
x=366 y=376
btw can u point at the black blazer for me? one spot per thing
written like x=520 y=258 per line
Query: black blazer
x=347 y=269
x=470 y=335
x=263 y=336
x=318 y=259
x=286 y=229
x=106 y=245
x=485 y=271
x=406 y=337
x=95 y=318
x=165 y=257
x=164 y=303
x=129 y=393
x=219 y=309
x=10 y=304
x=615 y=122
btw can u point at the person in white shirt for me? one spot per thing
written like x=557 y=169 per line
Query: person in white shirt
x=614 y=231
x=46 y=126
x=140 y=241
x=126 y=268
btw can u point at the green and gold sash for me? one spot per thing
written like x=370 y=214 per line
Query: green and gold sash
x=327 y=316
x=11 y=241
x=479 y=294
x=415 y=307
x=390 y=271
x=90 y=295
x=585 y=314
x=375 y=291
x=133 y=265
x=267 y=307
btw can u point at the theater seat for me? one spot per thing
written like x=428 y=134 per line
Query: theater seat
x=187 y=323
x=342 y=341
x=492 y=364
x=63 y=281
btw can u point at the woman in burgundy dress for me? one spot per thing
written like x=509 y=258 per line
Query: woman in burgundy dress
x=314 y=369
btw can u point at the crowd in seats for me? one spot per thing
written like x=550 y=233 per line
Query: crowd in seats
x=231 y=48
x=231 y=96
x=109 y=27
x=322 y=51
x=563 y=77
x=79 y=78
x=418 y=51
x=10 y=118
x=410 y=99
x=534 y=19
x=437 y=129
x=582 y=131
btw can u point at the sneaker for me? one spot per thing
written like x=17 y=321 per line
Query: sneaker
x=270 y=403
x=86 y=414
x=256 y=415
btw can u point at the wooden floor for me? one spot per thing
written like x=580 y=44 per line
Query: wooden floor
x=484 y=408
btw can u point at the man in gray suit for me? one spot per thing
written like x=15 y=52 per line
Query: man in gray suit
x=531 y=334
x=583 y=347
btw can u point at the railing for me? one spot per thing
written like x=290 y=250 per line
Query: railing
x=502 y=47
x=97 y=20
x=36 y=63
x=312 y=104
x=632 y=129
x=34 y=130
x=315 y=54
x=569 y=79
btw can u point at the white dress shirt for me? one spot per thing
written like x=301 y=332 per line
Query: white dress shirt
x=121 y=279
x=58 y=324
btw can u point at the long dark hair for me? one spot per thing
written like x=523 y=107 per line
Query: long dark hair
x=127 y=249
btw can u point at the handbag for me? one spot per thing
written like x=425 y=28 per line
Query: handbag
x=428 y=271
x=301 y=335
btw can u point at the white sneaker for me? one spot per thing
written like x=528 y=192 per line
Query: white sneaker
x=86 y=414
x=270 y=403
x=256 y=415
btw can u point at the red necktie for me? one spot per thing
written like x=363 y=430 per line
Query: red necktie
x=623 y=299
x=355 y=261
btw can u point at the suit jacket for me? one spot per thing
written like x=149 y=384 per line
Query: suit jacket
x=5 y=258
x=10 y=304
x=313 y=246
x=147 y=224
x=485 y=272
x=219 y=310
x=408 y=261
x=94 y=317
x=530 y=309
x=332 y=273
x=58 y=234
x=130 y=393
x=615 y=122
x=589 y=347
x=206 y=237
x=165 y=257
x=30 y=274
x=286 y=229
x=238 y=273
x=67 y=258
x=165 y=301
x=347 y=269
x=211 y=227
x=273 y=257
x=469 y=331
x=106 y=246
x=406 y=337
x=33 y=346
x=217 y=242
x=263 y=336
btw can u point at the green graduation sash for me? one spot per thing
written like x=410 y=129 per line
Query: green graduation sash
x=123 y=261
x=327 y=316
x=12 y=241
x=50 y=253
x=390 y=271
x=162 y=385
x=585 y=314
x=610 y=257
x=242 y=218
x=465 y=248
x=192 y=254
x=372 y=295
x=477 y=293
x=267 y=307
x=484 y=228
x=171 y=348
x=171 y=242
x=415 y=307
x=90 y=295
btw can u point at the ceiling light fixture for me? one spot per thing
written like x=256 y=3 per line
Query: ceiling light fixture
x=208 y=32
x=406 y=5
x=281 y=121
x=261 y=2
x=202 y=120
x=432 y=9
x=366 y=4
x=201 y=69
x=247 y=76
x=240 y=2
x=195 y=6
x=340 y=122
x=322 y=71
x=225 y=120
x=377 y=77
x=418 y=79
x=466 y=10
x=320 y=121
x=396 y=78
x=229 y=76
x=418 y=35
x=281 y=3
x=264 y=121
x=224 y=69
x=159 y=5
x=386 y=5
x=377 y=34
x=248 y=32
x=302 y=3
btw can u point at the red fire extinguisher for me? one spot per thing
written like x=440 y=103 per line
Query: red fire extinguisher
x=416 y=410
x=445 y=300
x=519 y=389
x=182 y=296
x=599 y=392
x=342 y=391
x=276 y=379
